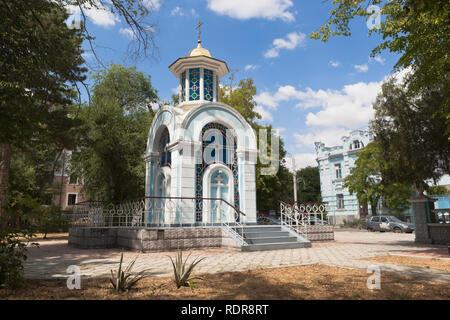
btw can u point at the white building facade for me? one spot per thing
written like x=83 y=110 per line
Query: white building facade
x=200 y=148
x=334 y=165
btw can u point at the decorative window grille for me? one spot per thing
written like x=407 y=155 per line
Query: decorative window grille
x=227 y=146
x=166 y=156
x=208 y=85
x=194 y=84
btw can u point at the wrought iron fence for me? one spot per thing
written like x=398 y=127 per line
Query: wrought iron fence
x=157 y=212
x=441 y=215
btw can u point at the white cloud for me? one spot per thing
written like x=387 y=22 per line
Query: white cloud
x=290 y=42
x=361 y=67
x=98 y=14
x=266 y=115
x=176 y=90
x=334 y=64
x=127 y=32
x=284 y=93
x=379 y=59
x=247 y=9
x=302 y=160
x=329 y=136
x=152 y=5
x=251 y=67
x=177 y=11
x=350 y=107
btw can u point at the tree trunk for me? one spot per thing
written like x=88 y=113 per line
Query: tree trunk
x=5 y=162
x=373 y=207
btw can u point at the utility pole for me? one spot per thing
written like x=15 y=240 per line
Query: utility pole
x=295 y=180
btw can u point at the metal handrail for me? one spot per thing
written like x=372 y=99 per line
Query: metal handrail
x=290 y=218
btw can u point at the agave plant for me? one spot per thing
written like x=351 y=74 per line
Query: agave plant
x=182 y=275
x=123 y=280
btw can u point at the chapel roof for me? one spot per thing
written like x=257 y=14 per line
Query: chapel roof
x=199 y=51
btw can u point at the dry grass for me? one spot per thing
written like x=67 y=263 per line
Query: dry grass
x=429 y=263
x=302 y=282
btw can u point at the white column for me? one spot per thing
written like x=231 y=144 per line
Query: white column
x=214 y=87
x=187 y=86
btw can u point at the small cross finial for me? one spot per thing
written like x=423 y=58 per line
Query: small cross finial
x=199 y=31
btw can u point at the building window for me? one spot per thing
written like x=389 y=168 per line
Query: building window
x=166 y=156
x=356 y=144
x=71 y=199
x=218 y=145
x=194 y=84
x=338 y=171
x=340 y=201
x=208 y=85
x=73 y=179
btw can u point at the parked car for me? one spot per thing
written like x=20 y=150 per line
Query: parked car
x=314 y=221
x=387 y=223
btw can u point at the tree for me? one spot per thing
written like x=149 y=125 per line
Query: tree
x=133 y=13
x=364 y=179
x=270 y=189
x=437 y=190
x=308 y=180
x=417 y=30
x=410 y=135
x=114 y=137
x=41 y=63
x=241 y=98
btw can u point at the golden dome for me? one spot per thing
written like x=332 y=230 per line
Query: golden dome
x=199 y=51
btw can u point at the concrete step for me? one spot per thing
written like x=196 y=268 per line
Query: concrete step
x=275 y=246
x=258 y=229
x=262 y=240
x=270 y=234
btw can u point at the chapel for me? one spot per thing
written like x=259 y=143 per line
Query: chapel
x=200 y=149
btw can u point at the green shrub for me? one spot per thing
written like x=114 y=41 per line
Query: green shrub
x=353 y=223
x=124 y=280
x=13 y=252
x=182 y=275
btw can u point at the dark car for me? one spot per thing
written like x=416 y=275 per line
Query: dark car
x=316 y=221
x=387 y=223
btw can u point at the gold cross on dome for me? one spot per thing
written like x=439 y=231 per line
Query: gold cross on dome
x=198 y=28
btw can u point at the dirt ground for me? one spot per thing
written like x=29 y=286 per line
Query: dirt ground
x=431 y=263
x=301 y=282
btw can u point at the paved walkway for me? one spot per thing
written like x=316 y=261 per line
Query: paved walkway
x=51 y=260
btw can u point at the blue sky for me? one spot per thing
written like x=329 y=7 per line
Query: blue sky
x=309 y=90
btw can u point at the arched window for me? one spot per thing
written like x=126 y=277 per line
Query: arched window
x=165 y=157
x=218 y=146
x=356 y=144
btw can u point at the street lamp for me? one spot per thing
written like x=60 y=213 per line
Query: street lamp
x=295 y=175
